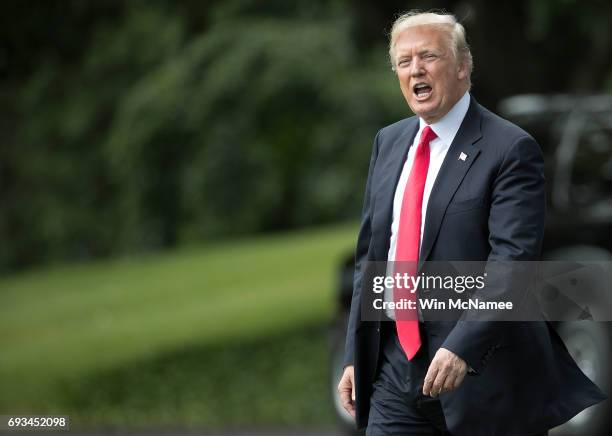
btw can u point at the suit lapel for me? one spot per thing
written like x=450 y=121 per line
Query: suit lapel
x=451 y=174
x=383 y=212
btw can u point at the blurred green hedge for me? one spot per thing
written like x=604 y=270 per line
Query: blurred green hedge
x=155 y=135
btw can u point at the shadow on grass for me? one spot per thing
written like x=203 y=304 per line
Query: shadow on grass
x=280 y=380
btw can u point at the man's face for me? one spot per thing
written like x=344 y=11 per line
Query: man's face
x=430 y=77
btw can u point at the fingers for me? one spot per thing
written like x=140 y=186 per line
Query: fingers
x=438 y=383
x=347 y=403
x=459 y=379
x=346 y=390
x=454 y=379
x=432 y=372
x=445 y=373
x=449 y=383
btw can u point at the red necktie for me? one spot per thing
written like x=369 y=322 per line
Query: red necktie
x=408 y=244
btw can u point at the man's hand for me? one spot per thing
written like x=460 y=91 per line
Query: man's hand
x=445 y=373
x=346 y=389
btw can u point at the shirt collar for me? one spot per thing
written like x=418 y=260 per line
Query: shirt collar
x=446 y=129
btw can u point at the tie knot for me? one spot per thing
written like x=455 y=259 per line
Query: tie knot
x=427 y=135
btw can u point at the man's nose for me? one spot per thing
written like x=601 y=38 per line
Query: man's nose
x=417 y=68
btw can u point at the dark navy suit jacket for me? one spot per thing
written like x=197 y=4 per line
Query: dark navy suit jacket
x=488 y=207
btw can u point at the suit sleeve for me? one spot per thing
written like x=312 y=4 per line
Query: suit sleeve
x=516 y=229
x=361 y=251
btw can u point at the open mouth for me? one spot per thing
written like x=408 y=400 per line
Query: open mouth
x=422 y=91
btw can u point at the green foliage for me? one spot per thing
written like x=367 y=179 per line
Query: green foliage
x=60 y=201
x=155 y=135
x=254 y=126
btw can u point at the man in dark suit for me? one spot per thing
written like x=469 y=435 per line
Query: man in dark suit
x=453 y=183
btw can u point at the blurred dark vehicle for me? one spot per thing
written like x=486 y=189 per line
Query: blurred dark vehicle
x=575 y=133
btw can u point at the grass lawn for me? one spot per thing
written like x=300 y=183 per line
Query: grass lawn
x=226 y=334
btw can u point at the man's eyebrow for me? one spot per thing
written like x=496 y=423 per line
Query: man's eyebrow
x=421 y=52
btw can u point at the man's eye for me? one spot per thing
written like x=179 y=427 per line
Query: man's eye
x=404 y=62
x=430 y=56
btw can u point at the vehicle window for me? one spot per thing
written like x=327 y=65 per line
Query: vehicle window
x=592 y=169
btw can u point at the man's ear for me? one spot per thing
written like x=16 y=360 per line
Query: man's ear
x=462 y=71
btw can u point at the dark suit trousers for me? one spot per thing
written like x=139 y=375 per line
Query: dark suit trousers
x=397 y=405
